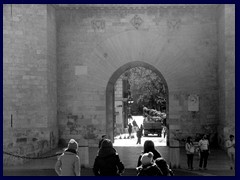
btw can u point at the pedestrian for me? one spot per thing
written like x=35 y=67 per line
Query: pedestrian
x=164 y=167
x=148 y=147
x=100 y=142
x=190 y=149
x=130 y=130
x=148 y=166
x=107 y=161
x=230 y=144
x=204 y=152
x=68 y=164
x=164 y=131
x=134 y=123
x=139 y=134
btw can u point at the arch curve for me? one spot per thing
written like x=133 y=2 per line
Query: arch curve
x=110 y=92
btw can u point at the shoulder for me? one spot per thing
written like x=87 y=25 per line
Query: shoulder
x=156 y=153
x=60 y=157
x=155 y=168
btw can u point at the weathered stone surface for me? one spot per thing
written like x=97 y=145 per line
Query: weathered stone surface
x=58 y=63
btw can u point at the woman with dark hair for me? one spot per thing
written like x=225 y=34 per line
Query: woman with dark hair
x=189 y=147
x=107 y=162
x=148 y=147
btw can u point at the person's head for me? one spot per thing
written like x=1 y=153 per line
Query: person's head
x=72 y=145
x=148 y=146
x=104 y=136
x=106 y=144
x=189 y=139
x=231 y=137
x=147 y=158
x=204 y=136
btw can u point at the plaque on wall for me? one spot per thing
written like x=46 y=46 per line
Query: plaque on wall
x=193 y=103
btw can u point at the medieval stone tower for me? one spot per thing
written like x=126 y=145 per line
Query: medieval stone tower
x=60 y=63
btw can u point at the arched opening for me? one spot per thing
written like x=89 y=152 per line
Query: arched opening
x=110 y=97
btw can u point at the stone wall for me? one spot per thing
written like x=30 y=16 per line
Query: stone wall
x=93 y=43
x=226 y=71
x=119 y=103
x=58 y=62
x=29 y=97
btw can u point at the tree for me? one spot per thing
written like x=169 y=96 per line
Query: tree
x=147 y=89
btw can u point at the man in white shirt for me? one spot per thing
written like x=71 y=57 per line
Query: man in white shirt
x=204 y=152
x=230 y=144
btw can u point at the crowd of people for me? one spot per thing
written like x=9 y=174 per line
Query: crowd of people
x=108 y=163
x=203 y=150
x=150 y=162
x=139 y=130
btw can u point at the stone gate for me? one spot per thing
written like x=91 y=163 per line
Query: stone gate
x=60 y=63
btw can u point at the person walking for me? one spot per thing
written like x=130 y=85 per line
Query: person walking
x=134 y=123
x=230 y=144
x=139 y=134
x=148 y=147
x=190 y=149
x=130 y=130
x=107 y=161
x=148 y=166
x=68 y=164
x=204 y=152
x=100 y=142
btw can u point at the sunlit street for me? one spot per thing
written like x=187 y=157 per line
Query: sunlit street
x=124 y=140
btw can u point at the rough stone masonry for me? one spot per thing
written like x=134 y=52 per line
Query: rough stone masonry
x=60 y=63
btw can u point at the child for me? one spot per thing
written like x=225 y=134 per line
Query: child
x=68 y=164
x=148 y=167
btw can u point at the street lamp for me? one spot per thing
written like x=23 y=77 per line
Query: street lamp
x=130 y=102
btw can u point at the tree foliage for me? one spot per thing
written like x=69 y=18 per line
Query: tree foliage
x=147 y=88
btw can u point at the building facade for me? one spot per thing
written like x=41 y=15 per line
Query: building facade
x=60 y=64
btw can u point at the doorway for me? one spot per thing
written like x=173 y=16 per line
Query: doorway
x=117 y=106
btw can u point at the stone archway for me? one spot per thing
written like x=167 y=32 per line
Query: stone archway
x=110 y=92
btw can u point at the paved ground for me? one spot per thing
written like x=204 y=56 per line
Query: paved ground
x=128 y=172
x=129 y=153
x=123 y=140
x=217 y=164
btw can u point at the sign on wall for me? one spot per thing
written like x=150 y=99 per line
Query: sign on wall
x=193 y=102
